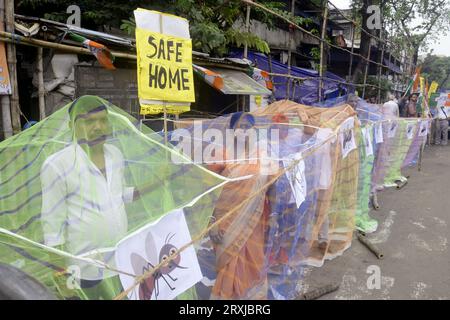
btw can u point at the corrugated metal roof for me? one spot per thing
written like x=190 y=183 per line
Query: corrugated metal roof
x=91 y=34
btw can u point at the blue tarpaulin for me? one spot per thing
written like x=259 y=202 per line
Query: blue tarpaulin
x=332 y=102
x=395 y=68
x=304 y=92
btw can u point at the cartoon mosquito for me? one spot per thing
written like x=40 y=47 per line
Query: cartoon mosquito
x=423 y=129
x=393 y=126
x=347 y=138
x=142 y=265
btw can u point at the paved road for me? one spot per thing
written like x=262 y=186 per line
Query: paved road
x=414 y=227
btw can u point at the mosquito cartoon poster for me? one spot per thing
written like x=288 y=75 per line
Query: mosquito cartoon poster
x=152 y=245
x=410 y=130
x=367 y=135
x=296 y=177
x=379 y=133
x=392 y=129
x=347 y=136
x=423 y=128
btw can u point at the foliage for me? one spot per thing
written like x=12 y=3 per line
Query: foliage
x=129 y=26
x=372 y=88
x=420 y=21
x=94 y=14
x=413 y=24
x=240 y=38
x=437 y=68
x=215 y=25
x=315 y=55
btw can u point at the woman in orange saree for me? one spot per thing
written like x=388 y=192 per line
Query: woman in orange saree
x=239 y=238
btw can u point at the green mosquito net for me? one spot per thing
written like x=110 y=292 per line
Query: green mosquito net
x=82 y=185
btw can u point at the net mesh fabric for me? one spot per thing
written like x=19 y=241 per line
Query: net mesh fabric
x=257 y=216
x=55 y=202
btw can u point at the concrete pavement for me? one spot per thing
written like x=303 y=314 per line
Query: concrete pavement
x=413 y=233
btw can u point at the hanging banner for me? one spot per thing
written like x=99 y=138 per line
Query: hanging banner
x=423 y=128
x=367 y=135
x=433 y=88
x=164 y=54
x=422 y=85
x=379 y=133
x=443 y=106
x=296 y=177
x=410 y=130
x=416 y=78
x=150 y=246
x=392 y=129
x=347 y=137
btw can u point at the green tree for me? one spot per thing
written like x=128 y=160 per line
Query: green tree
x=94 y=14
x=212 y=22
x=437 y=68
x=409 y=25
x=420 y=22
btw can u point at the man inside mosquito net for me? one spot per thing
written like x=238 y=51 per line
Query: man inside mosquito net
x=83 y=189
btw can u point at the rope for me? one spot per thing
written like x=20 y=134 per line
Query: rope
x=294 y=163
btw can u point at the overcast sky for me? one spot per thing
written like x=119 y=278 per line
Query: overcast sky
x=441 y=47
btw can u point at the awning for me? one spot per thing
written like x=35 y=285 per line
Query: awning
x=231 y=81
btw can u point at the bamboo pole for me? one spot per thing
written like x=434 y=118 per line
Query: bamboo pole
x=322 y=40
x=419 y=167
x=12 y=66
x=314 y=78
x=318 y=292
x=271 y=72
x=379 y=75
x=17 y=39
x=367 y=69
x=390 y=55
x=351 y=54
x=369 y=245
x=291 y=35
x=40 y=69
x=5 y=101
x=380 y=69
x=166 y=142
x=405 y=70
x=247 y=29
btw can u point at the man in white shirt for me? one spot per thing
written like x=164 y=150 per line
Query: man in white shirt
x=390 y=108
x=83 y=189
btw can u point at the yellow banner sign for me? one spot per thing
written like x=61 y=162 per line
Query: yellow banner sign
x=164 y=67
x=433 y=88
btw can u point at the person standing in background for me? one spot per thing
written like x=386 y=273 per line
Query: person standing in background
x=390 y=108
x=441 y=123
x=402 y=103
x=411 y=106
